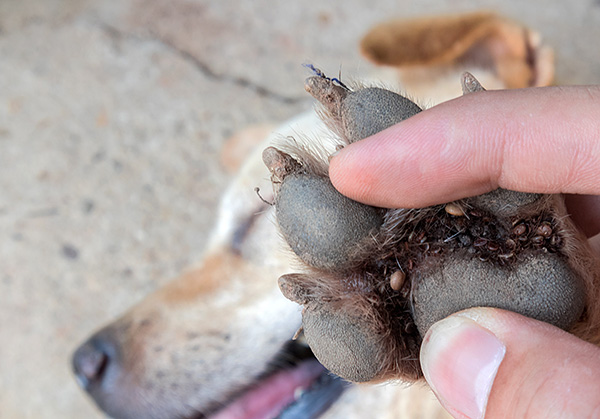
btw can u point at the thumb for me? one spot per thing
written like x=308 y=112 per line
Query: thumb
x=492 y=363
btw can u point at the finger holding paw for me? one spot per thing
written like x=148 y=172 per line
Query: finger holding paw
x=374 y=280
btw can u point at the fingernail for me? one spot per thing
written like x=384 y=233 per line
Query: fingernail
x=335 y=153
x=460 y=360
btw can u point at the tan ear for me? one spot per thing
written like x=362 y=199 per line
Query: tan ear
x=482 y=39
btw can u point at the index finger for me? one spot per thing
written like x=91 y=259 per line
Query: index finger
x=544 y=140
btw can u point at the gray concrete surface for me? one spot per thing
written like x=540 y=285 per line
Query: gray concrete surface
x=112 y=115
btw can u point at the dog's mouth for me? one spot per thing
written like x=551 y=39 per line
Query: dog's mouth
x=295 y=386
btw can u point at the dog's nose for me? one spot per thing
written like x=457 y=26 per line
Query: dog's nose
x=89 y=364
x=92 y=360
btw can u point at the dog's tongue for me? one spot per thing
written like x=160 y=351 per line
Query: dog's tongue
x=273 y=394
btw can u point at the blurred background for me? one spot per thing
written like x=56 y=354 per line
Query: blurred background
x=112 y=119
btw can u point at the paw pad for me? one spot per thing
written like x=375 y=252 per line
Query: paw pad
x=374 y=280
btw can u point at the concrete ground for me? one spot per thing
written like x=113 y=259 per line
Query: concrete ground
x=112 y=116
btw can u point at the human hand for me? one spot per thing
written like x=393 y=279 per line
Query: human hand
x=547 y=140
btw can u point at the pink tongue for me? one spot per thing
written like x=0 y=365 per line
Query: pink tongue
x=273 y=394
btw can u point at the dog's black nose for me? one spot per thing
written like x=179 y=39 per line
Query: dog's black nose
x=89 y=364
x=92 y=360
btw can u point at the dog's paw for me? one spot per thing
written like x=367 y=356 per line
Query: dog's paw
x=360 y=113
x=344 y=341
x=321 y=225
x=376 y=279
x=540 y=285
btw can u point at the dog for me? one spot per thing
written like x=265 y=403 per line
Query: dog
x=219 y=341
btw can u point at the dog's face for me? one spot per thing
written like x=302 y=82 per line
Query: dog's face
x=193 y=345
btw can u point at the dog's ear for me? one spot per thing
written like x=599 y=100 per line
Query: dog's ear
x=511 y=51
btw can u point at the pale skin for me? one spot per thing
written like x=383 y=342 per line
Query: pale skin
x=544 y=140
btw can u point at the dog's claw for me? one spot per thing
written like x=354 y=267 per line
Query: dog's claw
x=470 y=84
x=279 y=163
x=292 y=289
x=360 y=113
